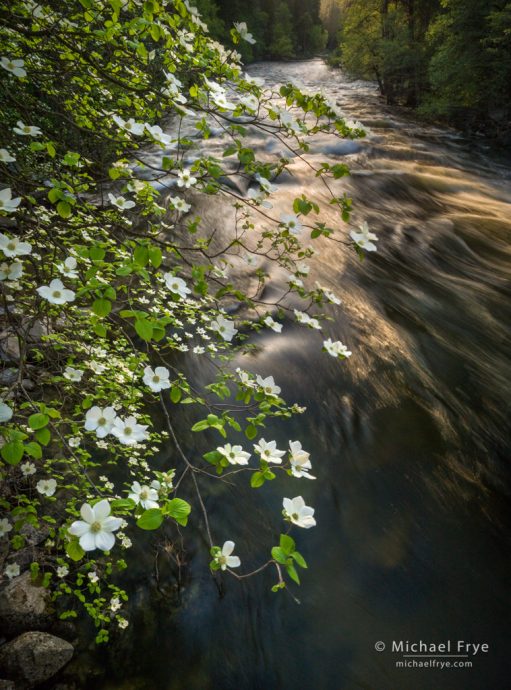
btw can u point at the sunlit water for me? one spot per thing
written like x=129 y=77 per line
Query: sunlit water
x=409 y=441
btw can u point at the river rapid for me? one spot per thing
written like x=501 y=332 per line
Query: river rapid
x=409 y=440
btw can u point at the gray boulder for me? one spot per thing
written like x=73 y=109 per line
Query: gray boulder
x=23 y=606
x=34 y=657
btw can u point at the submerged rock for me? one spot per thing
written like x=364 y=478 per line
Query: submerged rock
x=34 y=657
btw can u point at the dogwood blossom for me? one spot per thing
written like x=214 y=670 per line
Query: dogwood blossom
x=93 y=577
x=268 y=385
x=95 y=530
x=224 y=558
x=224 y=327
x=72 y=374
x=180 y=204
x=336 y=349
x=234 y=454
x=5 y=527
x=28 y=468
x=7 y=203
x=176 y=285
x=56 y=293
x=12 y=271
x=46 y=487
x=265 y=183
x=364 y=239
x=269 y=452
x=62 y=571
x=6 y=157
x=100 y=420
x=11 y=246
x=157 y=379
x=185 y=178
x=5 y=412
x=299 y=460
x=13 y=66
x=274 y=325
x=242 y=29
x=144 y=495
x=292 y=223
x=67 y=268
x=129 y=431
x=122 y=623
x=136 y=128
x=298 y=513
x=12 y=570
x=121 y=203
x=26 y=130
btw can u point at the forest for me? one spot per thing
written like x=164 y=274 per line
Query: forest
x=449 y=59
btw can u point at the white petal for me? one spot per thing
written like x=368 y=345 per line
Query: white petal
x=79 y=528
x=87 y=513
x=105 y=540
x=227 y=548
x=101 y=510
x=88 y=541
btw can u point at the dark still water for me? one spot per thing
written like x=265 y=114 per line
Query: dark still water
x=409 y=441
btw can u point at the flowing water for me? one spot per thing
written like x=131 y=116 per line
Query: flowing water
x=409 y=440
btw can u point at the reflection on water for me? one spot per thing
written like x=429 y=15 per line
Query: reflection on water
x=410 y=441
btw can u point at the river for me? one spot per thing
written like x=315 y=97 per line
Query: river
x=409 y=441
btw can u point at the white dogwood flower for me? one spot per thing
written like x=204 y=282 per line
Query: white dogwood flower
x=12 y=271
x=299 y=460
x=100 y=420
x=157 y=379
x=364 y=239
x=269 y=452
x=176 y=285
x=144 y=495
x=224 y=327
x=56 y=293
x=224 y=558
x=46 y=487
x=13 y=66
x=67 y=268
x=7 y=203
x=129 y=431
x=268 y=385
x=274 y=325
x=121 y=203
x=242 y=29
x=72 y=374
x=336 y=348
x=11 y=246
x=62 y=571
x=298 y=513
x=291 y=222
x=185 y=178
x=26 y=130
x=234 y=454
x=6 y=157
x=180 y=204
x=12 y=570
x=27 y=469
x=95 y=530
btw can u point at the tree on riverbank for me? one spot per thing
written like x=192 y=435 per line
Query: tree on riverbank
x=449 y=58
x=108 y=276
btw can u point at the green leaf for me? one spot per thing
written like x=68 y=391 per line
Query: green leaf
x=102 y=307
x=250 y=432
x=64 y=209
x=291 y=571
x=175 y=394
x=13 y=452
x=155 y=256
x=299 y=559
x=122 y=504
x=279 y=555
x=74 y=550
x=144 y=329
x=150 y=519
x=257 y=480
x=179 y=510
x=200 y=426
x=141 y=255
x=96 y=253
x=287 y=543
x=43 y=436
x=213 y=456
x=38 y=420
x=34 y=450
